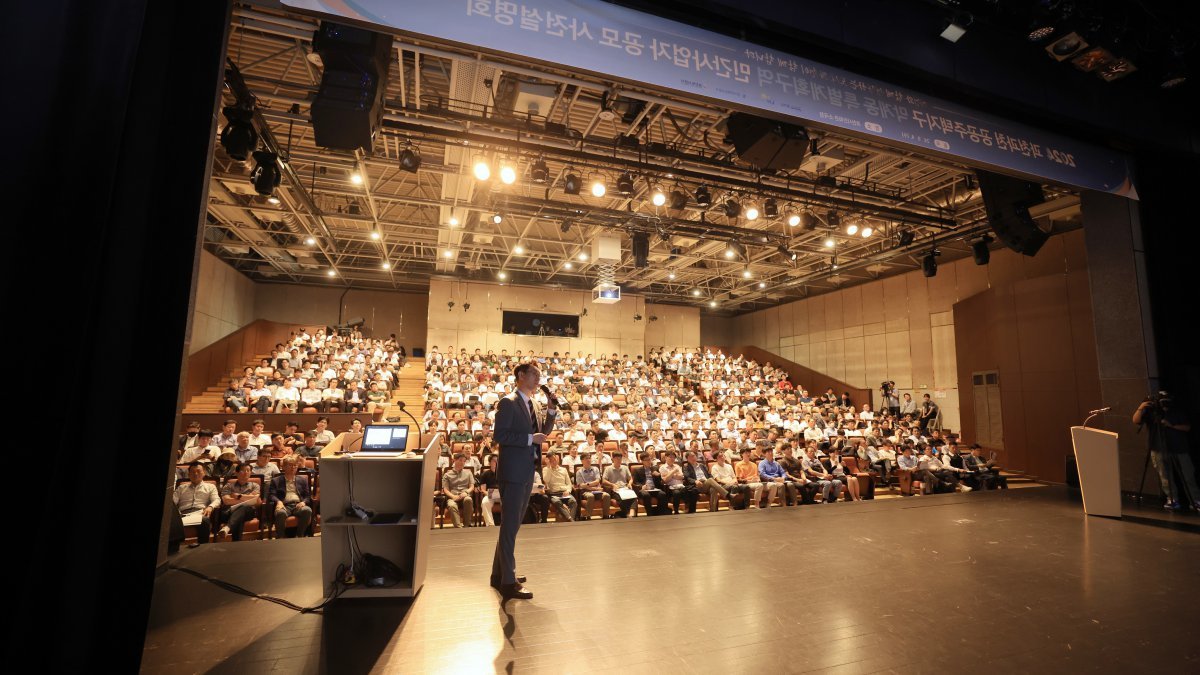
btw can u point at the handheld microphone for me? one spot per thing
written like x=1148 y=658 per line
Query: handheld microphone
x=550 y=397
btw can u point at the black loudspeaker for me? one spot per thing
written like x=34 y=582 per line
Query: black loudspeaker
x=641 y=249
x=348 y=107
x=1007 y=201
x=765 y=143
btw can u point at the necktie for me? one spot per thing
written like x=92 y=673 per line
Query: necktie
x=532 y=417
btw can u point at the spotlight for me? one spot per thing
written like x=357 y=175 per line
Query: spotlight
x=356 y=178
x=582 y=257
x=332 y=273
x=625 y=184
x=466 y=306
x=565 y=227
x=497 y=218
x=793 y=219
x=762 y=284
x=387 y=266
x=696 y=292
x=852 y=229
x=983 y=255
x=598 y=188
x=519 y=249
x=829 y=242
x=732 y=208
x=501 y=275
x=539 y=172
x=679 y=199
x=310 y=241
x=375 y=236
x=273 y=200
x=658 y=198
x=410 y=159
x=568 y=265
x=482 y=170
x=508 y=175
x=266 y=176
x=746 y=273
x=571 y=183
x=783 y=251
x=671 y=275
x=239 y=137
x=907 y=237
x=703 y=198
x=1039 y=33
x=929 y=264
x=448 y=253
x=770 y=208
x=453 y=221
x=867 y=231
x=712 y=303
x=752 y=212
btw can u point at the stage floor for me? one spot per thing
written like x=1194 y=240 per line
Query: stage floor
x=1014 y=581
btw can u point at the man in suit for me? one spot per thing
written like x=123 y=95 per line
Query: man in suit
x=521 y=428
x=290 y=496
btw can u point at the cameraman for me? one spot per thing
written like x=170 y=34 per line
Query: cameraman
x=891 y=402
x=1168 y=430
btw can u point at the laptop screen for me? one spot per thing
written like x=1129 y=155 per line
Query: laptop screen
x=390 y=438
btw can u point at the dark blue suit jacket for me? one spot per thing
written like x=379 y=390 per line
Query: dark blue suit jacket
x=518 y=459
x=279 y=489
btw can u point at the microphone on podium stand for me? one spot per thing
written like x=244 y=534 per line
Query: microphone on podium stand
x=1093 y=413
x=420 y=439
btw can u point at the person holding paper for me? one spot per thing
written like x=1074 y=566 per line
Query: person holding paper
x=618 y=481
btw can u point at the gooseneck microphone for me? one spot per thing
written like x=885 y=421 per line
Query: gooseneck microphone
x=420 y=438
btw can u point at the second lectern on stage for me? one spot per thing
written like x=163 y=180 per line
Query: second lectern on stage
x=1099 y=471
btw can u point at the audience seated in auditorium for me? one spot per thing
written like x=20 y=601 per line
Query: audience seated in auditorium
x=240 y=499
x=457 y=485
x=559 y=489
x=290 y=496
x=194 y=495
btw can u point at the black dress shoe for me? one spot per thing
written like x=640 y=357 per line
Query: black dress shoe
x=515 y=591
x=496 y=582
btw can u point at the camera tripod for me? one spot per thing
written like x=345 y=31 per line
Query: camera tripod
x=1155 y=440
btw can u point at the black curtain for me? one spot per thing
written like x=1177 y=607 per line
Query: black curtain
x=110 y=109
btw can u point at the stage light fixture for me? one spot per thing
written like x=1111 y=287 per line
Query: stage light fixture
x=793 y=219
x=583 y=257
x=658 y=198
x=598 y=187
x=829 y=242
x=482 y=170
x=375 y=235
x=539 y=172
x=867 y=231
x=310 y=241
x=703 y=197
x=273 y=200
x=564 y=226
x=519 y=250
x=907 y=237
x=679 y=199
x=454 y=221
x=410 y=158
x=696 y=292
x=762 y=284
x=356 y=178
x=571 y=183
x=448 y=253
x=983 y=254
x=501 y=275
x=712 y=303
x=671 y=276
x=498 y=218
x=746 y=274
x=625 y=184
x=752 y=212
x=852 y=229
x=568 y=265
x=239 y=137
x=770 y=208
x=732 y=208
x=929 y=264
x=508 y=175
x=387 y=266
x=266 y=176
x=331 y=273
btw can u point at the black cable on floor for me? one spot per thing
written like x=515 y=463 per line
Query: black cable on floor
x=234 y=588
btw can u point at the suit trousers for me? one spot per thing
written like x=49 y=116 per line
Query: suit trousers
x=514 y=499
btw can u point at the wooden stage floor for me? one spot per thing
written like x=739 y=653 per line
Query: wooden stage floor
x=999 y=582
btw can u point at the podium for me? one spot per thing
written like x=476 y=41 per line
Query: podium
x=1099 y=471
